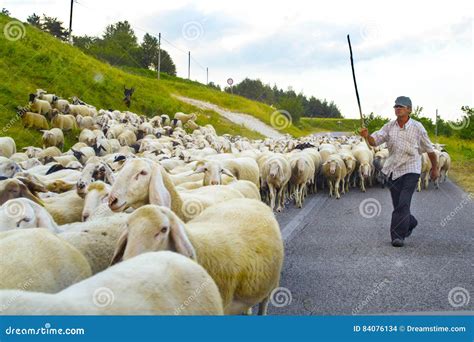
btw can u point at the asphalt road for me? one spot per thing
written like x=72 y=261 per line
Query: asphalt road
x=339 y=259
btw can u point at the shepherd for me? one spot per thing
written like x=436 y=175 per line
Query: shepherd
x=128 y=95
x=406 y=140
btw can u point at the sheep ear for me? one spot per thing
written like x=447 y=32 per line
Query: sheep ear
x=158 y=193
x=120 y=248
x=180 y=239
x=26 y=193
x=42 y=219
x=199 y=164
x=227 y=172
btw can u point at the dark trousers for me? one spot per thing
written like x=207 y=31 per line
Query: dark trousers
x=402 y=190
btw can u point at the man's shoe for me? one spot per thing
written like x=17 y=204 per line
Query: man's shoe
x=397 y=243
x=413 y=224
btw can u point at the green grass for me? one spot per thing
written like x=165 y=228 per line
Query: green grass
x=462 y=157
x=39 y=60
x=330 y=124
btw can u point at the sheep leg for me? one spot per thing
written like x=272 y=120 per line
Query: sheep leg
x=263 y=306
x=419 y=184
x=362 y=183
x=272 y=196
x=336 y=188
x=343 y=187
x=281 y=198
x=330 y=187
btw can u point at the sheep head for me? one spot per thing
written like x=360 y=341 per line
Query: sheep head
x=213 y=172
x=14 y=188
x=8 y=168
x=153 y=228
x=139 y=182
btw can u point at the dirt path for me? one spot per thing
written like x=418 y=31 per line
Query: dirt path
x=243 y=119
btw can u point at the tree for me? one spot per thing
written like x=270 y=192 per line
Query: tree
x=34 y=20
x=293 y=106
x=214 y=86
x=54 y=27
x=119 y=45
x=5 y=11
x=149 y=48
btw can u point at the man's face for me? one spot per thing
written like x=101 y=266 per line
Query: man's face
x=401 y=111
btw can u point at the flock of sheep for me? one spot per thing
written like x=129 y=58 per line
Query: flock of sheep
x=156 y=215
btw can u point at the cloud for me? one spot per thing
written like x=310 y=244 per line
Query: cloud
x=400 y=47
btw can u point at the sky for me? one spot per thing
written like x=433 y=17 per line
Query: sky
x=419 y=49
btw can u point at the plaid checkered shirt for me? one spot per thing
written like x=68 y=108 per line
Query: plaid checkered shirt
x=405 y=146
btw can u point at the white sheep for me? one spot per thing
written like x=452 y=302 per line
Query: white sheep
x=302 y=174
x=60 y=104
x=134 y=287
x=185 y=117
x=8 y=168
x=95 y=239
x=142 y=181
x=65 y=122
x=19 y=187
x=80 y=110
x=444 y=165
x=242 y=253
x=127 y=138
x=365 y=160
x=425 y=172
x=42 y=94
x=351 y=163
x=33 y=120
x=37 y=260
x=53 y=137
x=24 y=213
x=96 y=201
x=335 y=172
x=65 y=207
x=39 y=106
x=7 y=147
x=276 y=173
x=87 y=137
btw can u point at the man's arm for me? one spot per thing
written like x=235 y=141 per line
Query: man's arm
x=364 y=132
x=376 y=138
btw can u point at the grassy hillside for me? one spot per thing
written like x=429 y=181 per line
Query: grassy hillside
x=38 y=60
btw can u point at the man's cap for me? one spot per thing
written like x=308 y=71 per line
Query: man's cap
x=403 y=101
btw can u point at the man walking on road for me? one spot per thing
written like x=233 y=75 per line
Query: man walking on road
x=406 y=140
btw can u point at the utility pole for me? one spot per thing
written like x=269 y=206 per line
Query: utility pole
x=207 y=75
x=436 y=126
x=70 y=23
x=189 y=65
x=159 y=54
